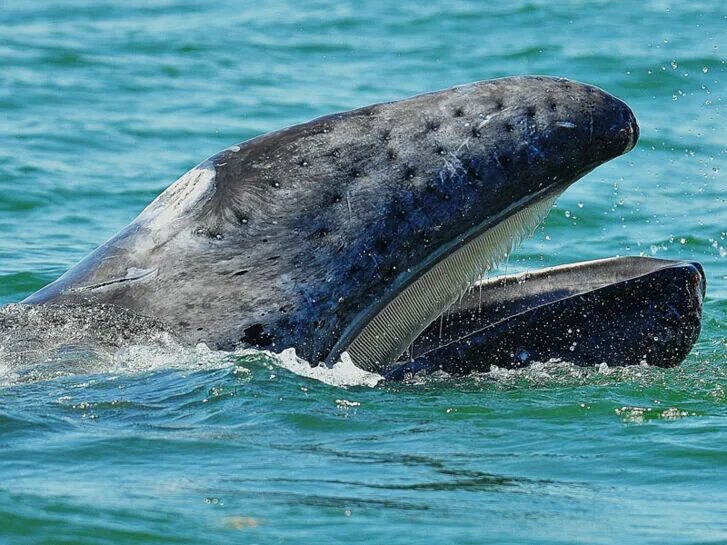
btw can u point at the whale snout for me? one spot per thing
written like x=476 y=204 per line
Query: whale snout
x=631 y=132
x=697 y=279
x=624 y=132
x=616 y=130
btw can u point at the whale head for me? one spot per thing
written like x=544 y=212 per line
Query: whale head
x=353 y=232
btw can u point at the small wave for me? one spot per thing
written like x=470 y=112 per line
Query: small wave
x=47 y=343
x=342 y=373
x=77 y=359
x=553 y=373
x=73 y=360
x=640 y=415
x=143 y=358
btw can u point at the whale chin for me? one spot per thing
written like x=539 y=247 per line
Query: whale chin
x=620 y=311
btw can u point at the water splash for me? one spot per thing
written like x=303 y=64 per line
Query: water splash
x=342 y=373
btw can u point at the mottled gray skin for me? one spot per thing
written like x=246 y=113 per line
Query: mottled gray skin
x=284 y=240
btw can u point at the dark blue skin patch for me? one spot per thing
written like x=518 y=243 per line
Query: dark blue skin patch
x=403 y=233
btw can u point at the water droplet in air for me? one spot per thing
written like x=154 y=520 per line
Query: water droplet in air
x=523 y=355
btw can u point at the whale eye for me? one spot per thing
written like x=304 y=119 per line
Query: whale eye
x=459 y=112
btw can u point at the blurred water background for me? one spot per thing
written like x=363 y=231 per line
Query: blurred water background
x=104 y=103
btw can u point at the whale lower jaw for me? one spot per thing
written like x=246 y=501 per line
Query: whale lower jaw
x=384 y=337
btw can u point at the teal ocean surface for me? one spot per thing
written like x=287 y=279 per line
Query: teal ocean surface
x=105 y=103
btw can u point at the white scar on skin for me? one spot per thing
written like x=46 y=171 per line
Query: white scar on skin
x=188 y=193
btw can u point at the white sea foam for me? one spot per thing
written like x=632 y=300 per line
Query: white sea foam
x=342 y=373
x=142 y=358
x=69 y=360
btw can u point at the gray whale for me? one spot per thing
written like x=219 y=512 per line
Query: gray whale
x=356 y=231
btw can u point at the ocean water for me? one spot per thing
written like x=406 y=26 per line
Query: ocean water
x=104 y=103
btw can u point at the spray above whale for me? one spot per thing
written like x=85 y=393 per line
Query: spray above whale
x=356 y=231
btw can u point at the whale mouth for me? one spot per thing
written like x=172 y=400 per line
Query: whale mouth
x=380 y=336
